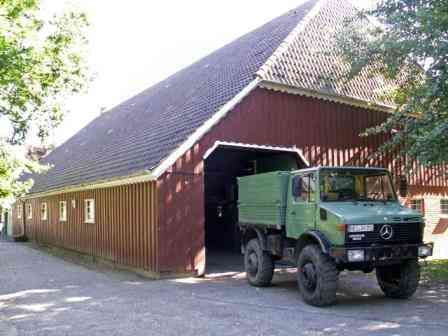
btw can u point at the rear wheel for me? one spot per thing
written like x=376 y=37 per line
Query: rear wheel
x=317 y=277
x=399 y=281
x=258 y=264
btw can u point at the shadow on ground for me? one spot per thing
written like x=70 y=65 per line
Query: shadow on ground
x=44 y=295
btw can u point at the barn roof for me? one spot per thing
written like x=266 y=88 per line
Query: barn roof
x=311 y=61
x=137 y=136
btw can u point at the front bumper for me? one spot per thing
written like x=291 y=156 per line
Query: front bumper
x=378 y=254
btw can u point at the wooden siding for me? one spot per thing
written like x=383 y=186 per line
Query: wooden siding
x=124 y=231
x=328 y=134
x=159 y=226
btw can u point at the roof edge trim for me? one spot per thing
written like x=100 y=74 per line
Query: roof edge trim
x=289 y=39
x=204 y=129
x=293 y=149
x=143 y=176
x=279 y=87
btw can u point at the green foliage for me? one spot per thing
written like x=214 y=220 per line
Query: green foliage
x=407 y=41
x=435 y=270
x=41 y=65
x=13 y=163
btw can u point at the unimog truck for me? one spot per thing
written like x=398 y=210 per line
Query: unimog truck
x=325 y=220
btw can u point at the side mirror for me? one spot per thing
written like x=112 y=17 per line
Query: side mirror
x=403 y=186
x=297 y=187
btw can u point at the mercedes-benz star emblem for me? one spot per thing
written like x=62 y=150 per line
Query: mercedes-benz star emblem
x=386 y=232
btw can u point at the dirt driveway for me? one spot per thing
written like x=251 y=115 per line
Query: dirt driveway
x=44 y=295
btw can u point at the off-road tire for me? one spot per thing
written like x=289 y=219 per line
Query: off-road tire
x=258 y=264
x=323 y=292
x=399 y=281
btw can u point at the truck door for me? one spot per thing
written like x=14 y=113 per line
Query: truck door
x=301 y=212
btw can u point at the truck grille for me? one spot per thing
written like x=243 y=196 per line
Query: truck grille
x=409 y=233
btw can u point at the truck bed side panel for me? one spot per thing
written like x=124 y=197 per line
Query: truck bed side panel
x=262 y=198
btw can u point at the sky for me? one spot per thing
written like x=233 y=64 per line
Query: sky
x=134 y=44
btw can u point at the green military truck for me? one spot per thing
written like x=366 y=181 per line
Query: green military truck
x=329 y=219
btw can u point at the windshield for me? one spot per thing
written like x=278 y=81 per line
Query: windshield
x=339 y=186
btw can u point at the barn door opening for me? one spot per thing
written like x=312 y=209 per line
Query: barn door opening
x=223 y=163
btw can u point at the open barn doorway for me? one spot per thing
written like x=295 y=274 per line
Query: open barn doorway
x=223 y=163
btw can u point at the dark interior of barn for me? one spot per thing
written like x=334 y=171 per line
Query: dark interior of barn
x=222 y=167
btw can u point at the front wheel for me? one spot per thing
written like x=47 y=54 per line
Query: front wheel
x=399 y=281
x=258 y=264
x=317 y=277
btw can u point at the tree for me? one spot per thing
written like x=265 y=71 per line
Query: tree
x=408 y=43
x=42 y=62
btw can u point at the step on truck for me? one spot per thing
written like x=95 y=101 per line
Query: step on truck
x=325 y=220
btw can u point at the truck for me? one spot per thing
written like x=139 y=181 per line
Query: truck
x=325 y=220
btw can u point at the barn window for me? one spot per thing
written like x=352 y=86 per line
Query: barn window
x=418 y=204
x=44 y=211
x=89 y=211
x=63 y=211
x=29 y=211
x=19 y=212
x=444 y=206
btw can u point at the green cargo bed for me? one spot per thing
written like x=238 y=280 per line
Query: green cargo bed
x=262 y=198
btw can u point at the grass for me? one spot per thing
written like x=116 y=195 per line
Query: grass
x=435 y=271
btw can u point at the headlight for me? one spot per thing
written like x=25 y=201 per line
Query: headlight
x=355 y=255
x=361 y=228
x=425 y=251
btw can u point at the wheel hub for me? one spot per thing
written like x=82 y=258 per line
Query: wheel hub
x=253 y=263
x=309 y=276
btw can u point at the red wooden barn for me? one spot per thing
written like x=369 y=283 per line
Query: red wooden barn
x=151 y=183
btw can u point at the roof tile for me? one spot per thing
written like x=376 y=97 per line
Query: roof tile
x=311 y=61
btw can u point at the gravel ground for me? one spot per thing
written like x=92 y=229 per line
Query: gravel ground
x=44 y=295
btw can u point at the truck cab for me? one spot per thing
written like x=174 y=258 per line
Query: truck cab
x=328 y=219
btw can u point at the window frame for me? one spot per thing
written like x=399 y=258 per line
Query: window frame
x=311 y=195
x=442 y=206
x=92 y=219
x=19 y=211
x=43 y=206
x=29 y=211
x=63 y=218
x=422 y=206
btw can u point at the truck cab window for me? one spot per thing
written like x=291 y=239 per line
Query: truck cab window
x=304 y=188
x=378 y=188
x=349 y=186
x=296 y=188
x=311 y=187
